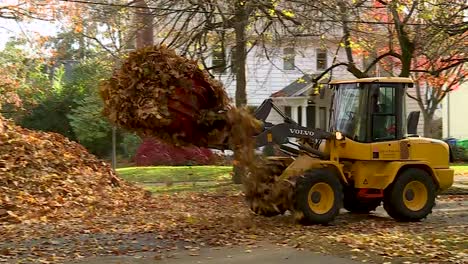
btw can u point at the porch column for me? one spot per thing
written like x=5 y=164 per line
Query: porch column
x=294 y=113
x=304 y=115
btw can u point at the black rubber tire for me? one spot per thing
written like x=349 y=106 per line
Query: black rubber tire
x=357 y=206
x=393 y=196
x=305 y=183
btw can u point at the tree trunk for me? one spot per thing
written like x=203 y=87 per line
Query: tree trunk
x=427 y=124
x=82 y=49
x=144 y=25
x=407 y=47
x=352 y=68
x=241 y=55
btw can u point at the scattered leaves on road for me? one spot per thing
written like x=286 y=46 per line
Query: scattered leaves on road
x=192 y=220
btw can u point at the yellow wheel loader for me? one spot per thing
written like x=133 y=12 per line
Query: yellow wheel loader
x=369 y=155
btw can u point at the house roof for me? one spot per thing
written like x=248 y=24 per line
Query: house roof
x=296 y=88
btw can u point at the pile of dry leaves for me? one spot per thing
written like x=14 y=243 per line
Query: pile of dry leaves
x=158 y=93
x=45 y=176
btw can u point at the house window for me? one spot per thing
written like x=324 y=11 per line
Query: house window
x=218 y=61
x=289 y=59
x=322 y=59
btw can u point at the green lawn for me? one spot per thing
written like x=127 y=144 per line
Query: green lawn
x=175 y=174
x=460 y=168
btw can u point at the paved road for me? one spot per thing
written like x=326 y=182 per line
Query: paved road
x=266 y=254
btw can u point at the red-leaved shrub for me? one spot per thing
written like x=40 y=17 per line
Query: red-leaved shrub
x=154 y=152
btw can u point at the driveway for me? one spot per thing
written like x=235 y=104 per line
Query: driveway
x=264 y=254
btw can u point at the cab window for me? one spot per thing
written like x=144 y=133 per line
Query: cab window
x=384 y=114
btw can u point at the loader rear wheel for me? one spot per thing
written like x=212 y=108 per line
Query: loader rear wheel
x=411 y=197
x=319 y=196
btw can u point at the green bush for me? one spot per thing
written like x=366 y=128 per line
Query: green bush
x=129 y=145
x=92 y=130
x=51 y=116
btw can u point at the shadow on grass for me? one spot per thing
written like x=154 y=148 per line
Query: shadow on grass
x=192 y=187
x=175 y=173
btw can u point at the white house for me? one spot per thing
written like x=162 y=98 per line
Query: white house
x=286 y=78
x=454 y=114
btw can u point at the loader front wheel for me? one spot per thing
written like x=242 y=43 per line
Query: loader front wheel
x=318 y=197
x=411 y=197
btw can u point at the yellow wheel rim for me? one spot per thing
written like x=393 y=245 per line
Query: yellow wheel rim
x=415 y=195
x=321 y=198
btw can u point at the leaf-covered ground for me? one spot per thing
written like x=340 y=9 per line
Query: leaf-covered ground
x=59 y=203
x=193 y=220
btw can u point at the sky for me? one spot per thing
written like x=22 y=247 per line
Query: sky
x=9 y=28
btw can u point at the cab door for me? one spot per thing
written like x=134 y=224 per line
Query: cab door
x=385 y=105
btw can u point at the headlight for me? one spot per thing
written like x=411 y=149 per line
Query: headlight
x=338 y=135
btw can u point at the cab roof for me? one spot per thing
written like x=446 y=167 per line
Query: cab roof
x=376 y=80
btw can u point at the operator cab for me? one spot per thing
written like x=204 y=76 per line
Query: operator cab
x=371 y=109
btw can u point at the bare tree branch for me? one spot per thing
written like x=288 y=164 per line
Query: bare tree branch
x=379 y=58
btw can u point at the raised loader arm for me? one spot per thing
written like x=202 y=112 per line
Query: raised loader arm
x=264 y=110
x=281 y=133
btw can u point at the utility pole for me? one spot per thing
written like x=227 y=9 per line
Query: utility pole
x=143 y=22
x=114 y=147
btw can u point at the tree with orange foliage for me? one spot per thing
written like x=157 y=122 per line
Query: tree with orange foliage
x=431 y=89
x=26 y=10
x=426 y=40
x=11 y=76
